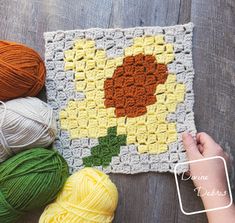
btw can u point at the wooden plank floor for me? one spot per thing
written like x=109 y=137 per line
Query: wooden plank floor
x=148 y=198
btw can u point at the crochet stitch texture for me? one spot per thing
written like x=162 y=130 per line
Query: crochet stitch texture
x=122 y=97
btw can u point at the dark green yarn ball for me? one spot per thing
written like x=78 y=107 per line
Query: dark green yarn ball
x=30 y=180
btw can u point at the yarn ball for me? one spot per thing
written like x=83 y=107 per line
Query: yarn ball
x=25 y=123
x=30 y=180
x=22 y=71
x=88 y=196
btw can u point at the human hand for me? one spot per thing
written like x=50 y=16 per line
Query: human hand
x=209 y=176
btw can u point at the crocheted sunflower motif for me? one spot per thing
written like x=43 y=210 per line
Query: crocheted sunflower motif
x=127 y=98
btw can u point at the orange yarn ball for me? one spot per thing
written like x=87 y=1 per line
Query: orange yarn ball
x=22 y=71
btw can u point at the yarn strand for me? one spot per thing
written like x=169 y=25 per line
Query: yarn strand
x=25 y=123
x=88 y=196
x=35 y=139
x=2 y=138
x=22 y=71
x=30 y=180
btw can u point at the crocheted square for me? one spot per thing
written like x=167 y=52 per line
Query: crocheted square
x=122 y=97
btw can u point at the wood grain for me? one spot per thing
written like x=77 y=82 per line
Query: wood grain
x=152 y=197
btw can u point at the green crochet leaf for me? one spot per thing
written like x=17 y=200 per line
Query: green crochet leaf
x=109 y=146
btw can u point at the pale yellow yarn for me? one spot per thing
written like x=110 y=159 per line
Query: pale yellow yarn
x=88 y=196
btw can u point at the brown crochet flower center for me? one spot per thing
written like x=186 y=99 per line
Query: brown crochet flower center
x=132 y=87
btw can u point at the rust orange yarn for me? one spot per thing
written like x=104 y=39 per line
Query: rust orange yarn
x=22 y=71
x=133 y=85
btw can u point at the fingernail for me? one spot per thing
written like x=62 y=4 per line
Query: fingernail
x=185 y=134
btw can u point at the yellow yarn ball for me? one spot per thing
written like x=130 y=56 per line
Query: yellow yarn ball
x=88 y=196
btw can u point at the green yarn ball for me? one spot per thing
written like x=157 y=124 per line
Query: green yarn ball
x=30 y=180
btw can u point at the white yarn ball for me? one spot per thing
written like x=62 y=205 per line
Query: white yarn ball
x=25 y=123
